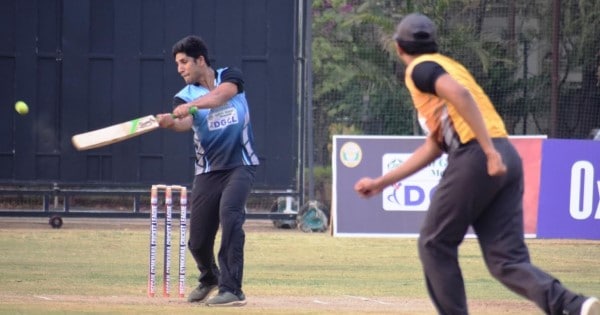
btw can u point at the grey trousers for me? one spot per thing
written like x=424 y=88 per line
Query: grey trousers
x=468 y=196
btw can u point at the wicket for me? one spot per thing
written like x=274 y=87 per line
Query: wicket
x=154 y=194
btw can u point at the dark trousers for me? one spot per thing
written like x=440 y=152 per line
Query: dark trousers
x=219 y=197
x=468 y=196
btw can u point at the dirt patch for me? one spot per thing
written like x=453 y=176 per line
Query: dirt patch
x=320 y=304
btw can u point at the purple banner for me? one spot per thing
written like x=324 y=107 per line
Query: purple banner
x=360 y=156
x=400 y=209
x=569 y=204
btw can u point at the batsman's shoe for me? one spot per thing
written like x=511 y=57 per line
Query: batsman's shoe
x=201 y=292
x=591 y=306
x=227 y=299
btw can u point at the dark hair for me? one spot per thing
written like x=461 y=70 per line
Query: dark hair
x=192 y=46
x=417 y=48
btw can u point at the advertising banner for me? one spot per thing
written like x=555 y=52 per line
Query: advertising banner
x=400 y=209
x=570 y=190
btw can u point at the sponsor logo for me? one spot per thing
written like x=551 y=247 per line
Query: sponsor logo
x=221 y=118
x=583 y=189
x=413 y=193
x=350 y=154
x=148 y=122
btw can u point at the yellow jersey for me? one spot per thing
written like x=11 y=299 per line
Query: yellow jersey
x=439 y=117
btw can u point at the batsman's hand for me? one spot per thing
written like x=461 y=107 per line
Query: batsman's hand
x=367 y=187
x=495 y=165
x=165 y=120
x=184 y=110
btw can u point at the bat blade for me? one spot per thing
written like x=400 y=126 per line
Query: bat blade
x=115 y=133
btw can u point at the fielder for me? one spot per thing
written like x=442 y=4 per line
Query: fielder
x=482 y=186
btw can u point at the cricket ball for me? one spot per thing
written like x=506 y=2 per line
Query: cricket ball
x=21 y=108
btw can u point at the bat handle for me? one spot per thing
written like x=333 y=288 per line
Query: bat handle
x=192 y=111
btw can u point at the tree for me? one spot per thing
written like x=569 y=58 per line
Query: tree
x=355 y=87
x=579 y=106
x=358 y=80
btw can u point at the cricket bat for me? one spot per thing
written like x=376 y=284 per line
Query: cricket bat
x=115 y=133
x=119 y=132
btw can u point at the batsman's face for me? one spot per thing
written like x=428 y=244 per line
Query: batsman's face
x=189 y=68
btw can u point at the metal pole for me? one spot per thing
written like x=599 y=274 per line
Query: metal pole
x=300 y=97
x=309 y=103
x=525 y=70
x=554 y=93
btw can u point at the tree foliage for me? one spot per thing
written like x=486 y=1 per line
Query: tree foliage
x=357 y=77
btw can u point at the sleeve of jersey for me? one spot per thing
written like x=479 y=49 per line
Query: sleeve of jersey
x=425 y=74
x=233 y=75
x=178 y=101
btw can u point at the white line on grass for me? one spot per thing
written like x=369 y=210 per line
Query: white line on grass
x=43 y=297
x=367 y=299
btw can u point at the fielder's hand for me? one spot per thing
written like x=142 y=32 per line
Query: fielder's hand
x=367 y=187
x=495 y=165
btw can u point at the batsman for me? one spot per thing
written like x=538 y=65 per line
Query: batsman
x=482 y=186
x=225 y=168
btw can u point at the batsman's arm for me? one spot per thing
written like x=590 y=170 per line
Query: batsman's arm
x=170 y=121
x=217 y=97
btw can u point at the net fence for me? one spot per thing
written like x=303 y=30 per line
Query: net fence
x=541 y=81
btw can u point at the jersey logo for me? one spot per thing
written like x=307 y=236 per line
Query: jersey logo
x=221 y=118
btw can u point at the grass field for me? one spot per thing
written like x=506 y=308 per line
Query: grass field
x=100 y=267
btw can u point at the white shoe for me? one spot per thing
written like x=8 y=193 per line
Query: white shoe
x=591 y=306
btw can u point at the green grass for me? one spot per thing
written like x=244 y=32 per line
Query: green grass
x=94 y=264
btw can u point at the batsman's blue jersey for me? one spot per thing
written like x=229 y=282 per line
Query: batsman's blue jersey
x=223 y=137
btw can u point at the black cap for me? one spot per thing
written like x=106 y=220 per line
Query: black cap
x=416 y=28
